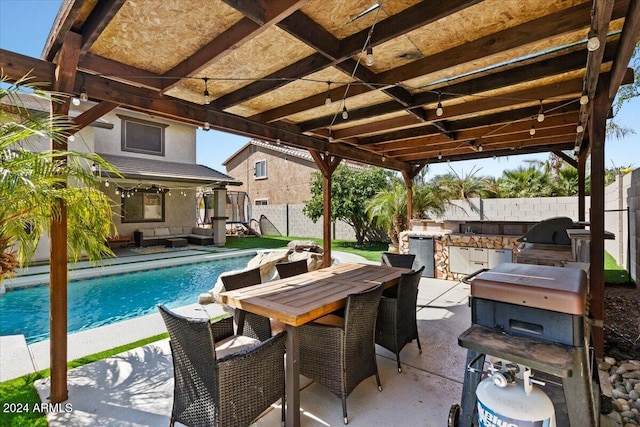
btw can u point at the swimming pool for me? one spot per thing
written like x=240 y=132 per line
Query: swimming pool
x=104 y=300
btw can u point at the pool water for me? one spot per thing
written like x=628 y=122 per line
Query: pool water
x=104 y=300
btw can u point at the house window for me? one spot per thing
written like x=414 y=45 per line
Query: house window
x=140 y=136
x=143 y=206
x=262 y=202
x=260 y=169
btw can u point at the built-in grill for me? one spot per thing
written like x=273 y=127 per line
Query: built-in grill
x=546 y=243
x=536 y=316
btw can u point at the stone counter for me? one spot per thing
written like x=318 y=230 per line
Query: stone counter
x=441 y=243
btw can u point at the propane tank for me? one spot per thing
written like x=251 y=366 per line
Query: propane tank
x=507 y=401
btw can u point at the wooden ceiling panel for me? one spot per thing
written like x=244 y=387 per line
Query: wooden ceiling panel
x=157 y=36
x=341 y=17
x=312 y=84
x=267 y=64
x=352 y=103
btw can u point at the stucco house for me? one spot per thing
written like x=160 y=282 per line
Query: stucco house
x=161 y=185
x=272 y=174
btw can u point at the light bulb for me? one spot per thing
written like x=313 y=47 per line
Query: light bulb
x=532 y=131
x=384 y=159
x=576 y=149
x=206 y=126
x=117 y=191
x=106 y=183
x=83 y=95
x=94 y=168
x=345 y=113
x=439 y=156
x=207 y=99
x=584 y=99
x=75 y=101
x=580 y=128
x=593 y=42
x=71 y=138
x=541 y=117
x=439 y=110
x=369 y=57
x=330 y=138
x=480 y=148
x=327 y=100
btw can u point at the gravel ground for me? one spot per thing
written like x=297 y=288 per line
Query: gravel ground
x=622 y=321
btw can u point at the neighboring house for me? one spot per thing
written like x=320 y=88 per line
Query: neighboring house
x=273 y=174
x=161 y=181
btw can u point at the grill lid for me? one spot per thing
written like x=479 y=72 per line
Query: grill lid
x=560 y=289
x=552 y=231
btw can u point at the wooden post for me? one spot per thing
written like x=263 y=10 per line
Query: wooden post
x=327 y=165
x=597 y=132
x=64 y=82
x=408 y=182
x=582 y=173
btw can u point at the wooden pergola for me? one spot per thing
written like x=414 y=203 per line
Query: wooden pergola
x=400 y=84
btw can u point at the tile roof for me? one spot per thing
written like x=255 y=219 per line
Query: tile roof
x=140 y=168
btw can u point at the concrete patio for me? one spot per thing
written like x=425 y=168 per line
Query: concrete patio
x=135 y=388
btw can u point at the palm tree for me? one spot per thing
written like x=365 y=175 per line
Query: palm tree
x=525 y=182
x=33 y=184
x=388 y=209
x=429 y=199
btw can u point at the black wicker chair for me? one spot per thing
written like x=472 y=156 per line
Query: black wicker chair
x=396 y=325
x=293 y=268
x=215 y=390
x=339 y=353
x=249 y=324
x=391 y=259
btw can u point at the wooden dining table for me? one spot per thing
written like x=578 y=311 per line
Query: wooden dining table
x=300 y=299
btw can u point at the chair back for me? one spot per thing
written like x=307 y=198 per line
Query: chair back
x=194 y=359
x=391 y=259
x=293 y=268
x=243 y=279
x=407 y=298
x=359 y=326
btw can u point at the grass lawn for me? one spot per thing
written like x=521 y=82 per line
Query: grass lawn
x=613 y=273
x=370 y=251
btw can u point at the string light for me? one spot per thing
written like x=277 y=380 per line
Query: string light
x=584 y=99
x=440 y=155
x=94 y=168
x=593 y=42
x=480 y=148
x=206 y=126
x=84 y=97
x=207 y=99
x=541 y=113
x=369 y=57
x=327 y=100
x=532 y=131
x=439 y=110
x=106 y=183
x=71 y=138
x=75 y=101
x=345 y=113
x=580 y=128
x=384 y=159
x=576 y=149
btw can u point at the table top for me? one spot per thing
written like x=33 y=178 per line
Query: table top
x=299 y=299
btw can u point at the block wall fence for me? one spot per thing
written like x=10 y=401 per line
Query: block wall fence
x=622 y=217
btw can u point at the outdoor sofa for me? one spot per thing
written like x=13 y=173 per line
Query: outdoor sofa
x=160 y=235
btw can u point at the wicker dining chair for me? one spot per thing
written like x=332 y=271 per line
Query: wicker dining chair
x=293 y=268
x=249 y=324
x=396 y=324
x=339 y=353
x=212 y=389
x=391 y=259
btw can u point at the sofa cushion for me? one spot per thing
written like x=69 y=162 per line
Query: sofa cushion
x=200 y=231
x=234 y=344
x=147 y=232
x=187 y=230
x=175 y=231
x=162 y=231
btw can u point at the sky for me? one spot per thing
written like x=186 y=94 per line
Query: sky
x=28 y=37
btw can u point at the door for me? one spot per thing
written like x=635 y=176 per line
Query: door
x=459 y=260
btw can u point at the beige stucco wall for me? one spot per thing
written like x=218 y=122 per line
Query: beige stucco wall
x=179 y=139
x=287 y=178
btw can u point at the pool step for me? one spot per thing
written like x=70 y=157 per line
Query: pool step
x=15 y=358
